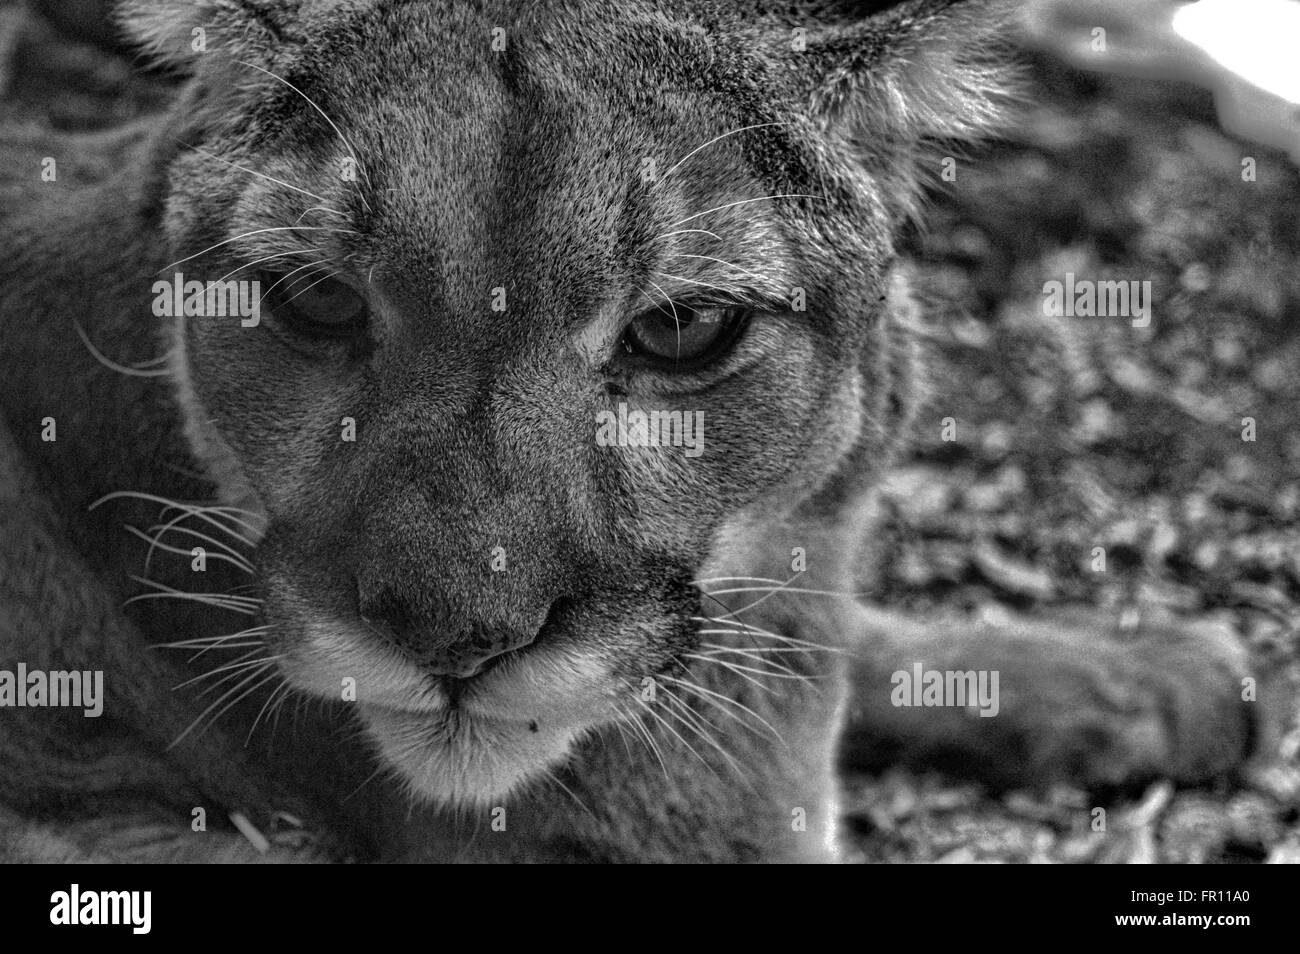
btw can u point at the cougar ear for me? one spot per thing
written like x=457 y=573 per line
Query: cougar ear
x=904 y=85
x=930 y=68
x=181 y=35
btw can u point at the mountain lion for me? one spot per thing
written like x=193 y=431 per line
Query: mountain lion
x=450 y=429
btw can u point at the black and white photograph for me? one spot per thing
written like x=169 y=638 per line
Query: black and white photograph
x=650 y=431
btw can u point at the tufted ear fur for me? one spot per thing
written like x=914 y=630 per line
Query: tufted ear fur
x=902 y=87
x=233 y=51
x=180 y=34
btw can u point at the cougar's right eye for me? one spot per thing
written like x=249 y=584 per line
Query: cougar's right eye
x=311 y=305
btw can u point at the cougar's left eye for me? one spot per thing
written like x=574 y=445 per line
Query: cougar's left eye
x=673 y=334
x=315 y=306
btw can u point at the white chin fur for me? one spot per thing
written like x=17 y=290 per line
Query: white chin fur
x=457 y=759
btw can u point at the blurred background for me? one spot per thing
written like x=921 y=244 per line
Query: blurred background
x=1088 y=432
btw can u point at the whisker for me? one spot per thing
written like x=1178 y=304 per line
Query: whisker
x=323 y=278
x=265 y=258
x=213 y=641
x=252 y=172
x=734 y=132
x=801 y=644
x=731 y=666
x=687 y=712
x=734 y=579
x=244 y=605
x=243 y=662
x=173 y=527
x=351 y=149
x=713 y=698
x=203 y=513
x=284 y=683
x=700 y=733
x=770 y=592
x=687 y=232
x=241 y=694
x=319 y=208
x=720 y=261
x=790 y=589
x=165 y=589
x=667 y=297
x=731 y=205
x=637 y=722
x=138 y=371
x=209 y=514
x=244 y=235
x=287 y=275
x=738 y=668
x=668 y=727
x=238 y=562
x=692 y=281
x=579 y=802
x=752 y=656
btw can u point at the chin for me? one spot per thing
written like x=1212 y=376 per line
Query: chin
x=460 y=759
x=471 y=748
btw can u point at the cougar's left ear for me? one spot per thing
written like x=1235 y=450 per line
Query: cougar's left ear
x=897 y=84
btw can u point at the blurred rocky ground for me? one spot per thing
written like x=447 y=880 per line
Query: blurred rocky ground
x=1077 y=433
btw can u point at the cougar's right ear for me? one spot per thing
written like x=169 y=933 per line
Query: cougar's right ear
x=188 y=36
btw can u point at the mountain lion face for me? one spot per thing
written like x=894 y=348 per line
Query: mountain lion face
x=551 y=304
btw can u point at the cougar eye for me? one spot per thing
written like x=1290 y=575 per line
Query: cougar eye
x=311 y=305
x=676 y=334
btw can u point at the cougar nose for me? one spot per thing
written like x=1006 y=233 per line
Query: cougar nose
x=463 y=660
x=443 y=649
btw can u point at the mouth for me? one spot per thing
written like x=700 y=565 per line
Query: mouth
x=460 y=756
x=459 y=741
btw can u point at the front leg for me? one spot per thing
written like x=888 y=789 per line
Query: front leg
x=1076 y=702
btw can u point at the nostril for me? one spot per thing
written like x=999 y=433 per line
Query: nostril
x=554 y=617
x=445 y=646
x=487 y=646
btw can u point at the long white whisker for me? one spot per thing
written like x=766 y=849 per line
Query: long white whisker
x=244 y=235
x=731 y=205
x=323 y=278
x=688 y=232
x=669 y=728
x=738 y=668
x=720 y=261
x=253 y=172
x=253 y=688
x=203 y=513
x=692 y=281
x=351 y=148
x=287 y=275
x=731 y=666
x=734 y=132
x=686 y=712
x=264 y=258
x=139 y=371
x=172 y=527
x=236 y=561
x=243 y=662
x=753 y=657
x=266 y=706
x=710 y=696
